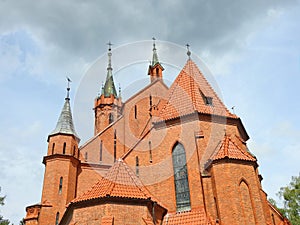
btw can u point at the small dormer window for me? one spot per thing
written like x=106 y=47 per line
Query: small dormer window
x=208 y=100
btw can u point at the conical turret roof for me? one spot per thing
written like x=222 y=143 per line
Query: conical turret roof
x=65 y=123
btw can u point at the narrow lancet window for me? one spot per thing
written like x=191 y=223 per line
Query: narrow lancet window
x=53 y=147
x=64 y=148
x=137 y=166
x=57 y=218
x=115 y=146
x=150 y=151
x=86 y=156
x=100 y=151
x=60 y=185
x=150 y=101
x=111 y=118
x=181 y=181
x=135 y=112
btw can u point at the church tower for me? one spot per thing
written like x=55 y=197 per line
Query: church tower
x=155 y=68
x=108 y=105
x=61 y=165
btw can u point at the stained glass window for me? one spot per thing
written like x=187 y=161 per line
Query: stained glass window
x=182 y=190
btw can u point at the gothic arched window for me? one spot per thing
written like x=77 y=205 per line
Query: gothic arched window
x=182 y=189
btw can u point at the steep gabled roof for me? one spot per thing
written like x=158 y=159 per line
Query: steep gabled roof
x=191 y=93
x=120 y=181
x=229 y=149
x=196 y=217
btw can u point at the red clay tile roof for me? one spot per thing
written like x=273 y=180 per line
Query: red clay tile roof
x=229 y=149
x=107 y=220
x=196 y=217
x=188 y=93
x=120 y=181
x=148 y=221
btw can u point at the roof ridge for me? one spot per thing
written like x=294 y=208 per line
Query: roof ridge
x=130 y=172
x=171 y=93
x=192 y=81
x=226 y=149
x=112 y=181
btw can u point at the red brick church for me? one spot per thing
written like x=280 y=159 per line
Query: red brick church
x=167 y=155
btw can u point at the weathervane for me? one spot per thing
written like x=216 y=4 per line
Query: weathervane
x=68 y=88
x=188 y=50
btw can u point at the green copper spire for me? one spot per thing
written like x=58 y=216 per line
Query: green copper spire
x=109 y=86
x=155 y=57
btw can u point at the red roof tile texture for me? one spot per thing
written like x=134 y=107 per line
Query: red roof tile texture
x=229 y=149
x=190 y=93
x=107 y=220
x=197 y=217
x=120 y=181
x=148 y=221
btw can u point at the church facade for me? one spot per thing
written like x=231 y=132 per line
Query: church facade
x=167 y=155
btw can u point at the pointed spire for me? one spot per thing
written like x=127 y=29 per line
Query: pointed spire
x=65 y=122
x=109 y=86
x=155 y=56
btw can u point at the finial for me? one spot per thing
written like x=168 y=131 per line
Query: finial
x=109 y=45
x=109 y=55
x=119 y=90
x=68 y=89
x=188 y=50
x=102 y=88
x=154 y=43
x=233 y=109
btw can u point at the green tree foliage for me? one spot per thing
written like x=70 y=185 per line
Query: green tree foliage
x=3 y=221
x=291 y=199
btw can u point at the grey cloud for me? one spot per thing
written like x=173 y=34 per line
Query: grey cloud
x=82 y=27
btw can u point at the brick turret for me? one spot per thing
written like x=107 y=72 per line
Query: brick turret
x=155 y=68
x=61 y=165
x=108 y=105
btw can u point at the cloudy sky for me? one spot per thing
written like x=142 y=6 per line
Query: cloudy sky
x=251 y=47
